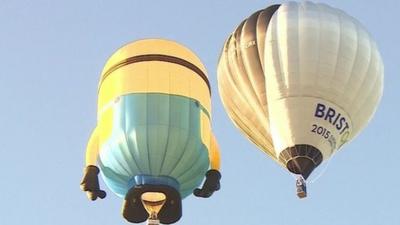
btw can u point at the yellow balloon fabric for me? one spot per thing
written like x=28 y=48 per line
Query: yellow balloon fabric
x=154 y=118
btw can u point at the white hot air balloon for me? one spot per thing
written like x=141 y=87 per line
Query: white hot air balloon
x=300 y=80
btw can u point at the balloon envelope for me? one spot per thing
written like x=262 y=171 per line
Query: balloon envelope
x=154 y=118
x=306 y=78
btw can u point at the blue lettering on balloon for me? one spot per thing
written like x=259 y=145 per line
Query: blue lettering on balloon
x=331 y=116
x=320 y=111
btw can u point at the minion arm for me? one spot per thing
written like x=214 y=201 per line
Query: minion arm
x=90 y=181
x=214 y=154
x=213 y=175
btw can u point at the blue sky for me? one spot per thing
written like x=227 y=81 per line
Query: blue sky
x=51 y=55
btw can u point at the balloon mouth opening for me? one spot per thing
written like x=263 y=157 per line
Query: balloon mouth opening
x=301 y=165
x=152 y=202
x=301 y=159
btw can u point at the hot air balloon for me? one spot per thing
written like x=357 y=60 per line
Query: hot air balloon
x=300 y=80
x=153 y=142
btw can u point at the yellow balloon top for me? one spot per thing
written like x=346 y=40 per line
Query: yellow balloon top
x=149 y=47
x=124 y=70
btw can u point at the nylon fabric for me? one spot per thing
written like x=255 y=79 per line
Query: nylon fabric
x=240 y=74
x=316 y=51
x=322 y=75
x=157 y=135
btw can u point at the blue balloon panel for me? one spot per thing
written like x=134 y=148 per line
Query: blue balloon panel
x=156 y=139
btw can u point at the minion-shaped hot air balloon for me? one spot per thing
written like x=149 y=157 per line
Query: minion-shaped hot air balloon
x=153 y=141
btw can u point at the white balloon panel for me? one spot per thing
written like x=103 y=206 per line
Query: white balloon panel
x=317 y=55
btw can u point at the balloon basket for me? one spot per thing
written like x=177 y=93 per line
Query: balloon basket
x=301 y=187
x=153 y=222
